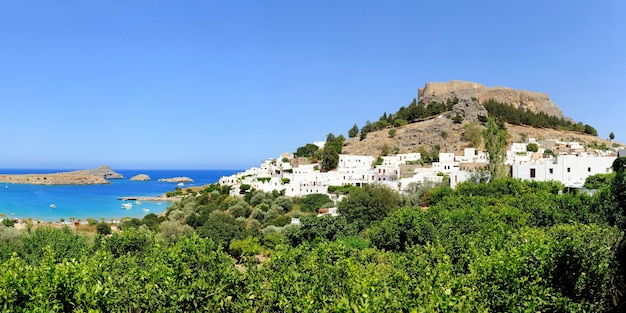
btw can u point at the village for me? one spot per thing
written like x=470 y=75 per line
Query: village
x=567 y=162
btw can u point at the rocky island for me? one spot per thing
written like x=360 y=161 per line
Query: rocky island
x=176 y=180
x=140 y=177
x=97 y=176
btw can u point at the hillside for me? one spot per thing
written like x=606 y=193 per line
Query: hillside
x=433 y=115
x=448 y=135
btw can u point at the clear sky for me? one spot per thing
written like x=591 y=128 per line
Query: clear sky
x=227 y=84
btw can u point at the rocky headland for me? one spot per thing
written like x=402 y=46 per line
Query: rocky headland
x=105 y=171
x=97 y=176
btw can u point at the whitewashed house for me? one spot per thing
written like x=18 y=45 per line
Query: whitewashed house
x=362 y=162
x=446 y=163
x=571 y=170
x=471 y=155
x=400 y=159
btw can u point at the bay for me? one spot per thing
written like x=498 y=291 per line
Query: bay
x=52 y=203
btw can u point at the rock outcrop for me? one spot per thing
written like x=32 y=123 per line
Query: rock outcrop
x=470 y=110
x=176 y=180
x=140 y=177
x=533 y=101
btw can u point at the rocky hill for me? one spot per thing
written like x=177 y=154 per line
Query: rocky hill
x=532 y=101
x=449 y=136
x=442 y=131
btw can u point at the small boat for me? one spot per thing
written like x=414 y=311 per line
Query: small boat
x=138 y=202
x=53 y=206
x=127 y=206
x=145 y=210
x=180 y=184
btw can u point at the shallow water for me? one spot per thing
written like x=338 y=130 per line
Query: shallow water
x=95 y=201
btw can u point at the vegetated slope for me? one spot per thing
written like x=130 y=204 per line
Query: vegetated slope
x=431 y=120
x=448 y=135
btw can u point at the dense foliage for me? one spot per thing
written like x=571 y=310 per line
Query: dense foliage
x=502 y=246
x=409 y=114
x=520 y=116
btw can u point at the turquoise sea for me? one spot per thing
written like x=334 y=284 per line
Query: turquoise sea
x=51 y=203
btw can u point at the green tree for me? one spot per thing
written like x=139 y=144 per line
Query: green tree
x=324 y=228
x=239 y=209
x=495 y=144
x=243 y=188
x=399 y=122
x=312 y=202
x=335 y=142
x=330 y=154
x=532 y=147
x=368 y=204
x=472 y=133
x=590 y=130
x=222 y=228
x=598 y=181
x=618 y=183
x=363 y=135
x=284 y=202
x=307 y=150
x=353 y=131
x=385 y=150
x=103 y=228
x=330 y=160
x=8 y=222
x=611 y=136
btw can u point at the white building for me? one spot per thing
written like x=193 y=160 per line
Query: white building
x=570 y=170
x=518 y=147
x=362 y=162
x=400 y=159
x=471 y=155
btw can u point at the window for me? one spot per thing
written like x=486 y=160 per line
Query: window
x=532 y=173
x=551 y=171
x=569 y=169
x=589 y=169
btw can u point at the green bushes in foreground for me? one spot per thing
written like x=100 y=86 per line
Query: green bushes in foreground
x=566 y=268
x=506 y=246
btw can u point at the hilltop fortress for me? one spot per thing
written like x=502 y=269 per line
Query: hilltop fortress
x=533 y=101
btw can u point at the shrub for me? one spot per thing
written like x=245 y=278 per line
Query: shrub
x=243 y=249
x=103 y=229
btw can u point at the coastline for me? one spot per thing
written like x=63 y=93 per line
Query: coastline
x=161 y=198
x=23 y=201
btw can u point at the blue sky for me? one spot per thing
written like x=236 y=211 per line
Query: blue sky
x=227 y=84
